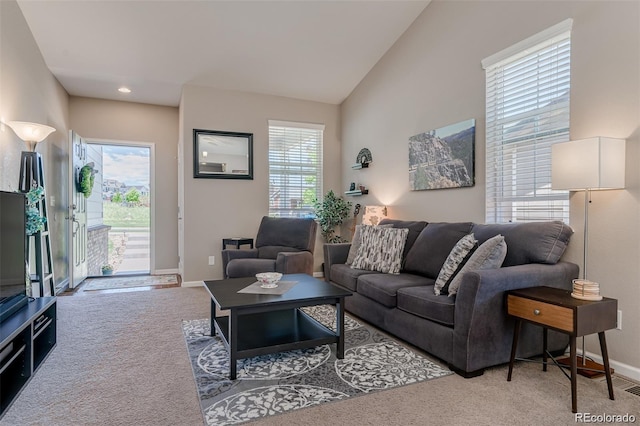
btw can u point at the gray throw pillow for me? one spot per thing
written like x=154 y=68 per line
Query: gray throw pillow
x=489 y=255
x=455 y=258
x=357 y=240
x=381 y=249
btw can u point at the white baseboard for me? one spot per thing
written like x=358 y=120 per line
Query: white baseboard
x=192 y=283
x=165 y=271
x=625 y=370
x=318 y=275
x=62 y=286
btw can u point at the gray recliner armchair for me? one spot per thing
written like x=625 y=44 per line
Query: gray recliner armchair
x=282 y=245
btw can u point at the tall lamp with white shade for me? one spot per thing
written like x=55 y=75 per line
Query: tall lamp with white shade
x=31 y=170
x=32 y=175
x=587 y=165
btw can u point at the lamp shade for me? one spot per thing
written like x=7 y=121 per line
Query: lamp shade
x=31 y=133
x=373 y=215
x=594 y=163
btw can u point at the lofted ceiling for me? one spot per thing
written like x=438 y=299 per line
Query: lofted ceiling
x=313 y=50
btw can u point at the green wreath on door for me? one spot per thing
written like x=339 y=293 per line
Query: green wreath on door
x=86 y=178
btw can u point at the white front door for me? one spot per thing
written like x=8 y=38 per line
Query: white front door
x=77 y=212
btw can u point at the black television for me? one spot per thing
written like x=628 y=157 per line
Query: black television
x=13 y=283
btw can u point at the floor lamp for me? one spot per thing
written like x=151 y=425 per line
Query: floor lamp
x=587 y=165
x=32 y=175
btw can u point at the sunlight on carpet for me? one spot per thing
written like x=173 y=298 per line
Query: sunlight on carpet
x=114 y=282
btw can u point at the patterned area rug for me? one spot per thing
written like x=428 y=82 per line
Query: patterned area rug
x=110 y=283
x=281 y=382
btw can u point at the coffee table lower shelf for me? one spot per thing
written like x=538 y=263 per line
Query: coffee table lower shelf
x=274 y=331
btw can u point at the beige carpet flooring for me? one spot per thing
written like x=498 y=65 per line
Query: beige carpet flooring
x=121 y=360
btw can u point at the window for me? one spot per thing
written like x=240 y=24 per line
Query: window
x=527 y=111
x=295 y=168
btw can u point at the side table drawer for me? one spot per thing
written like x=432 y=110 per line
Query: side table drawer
x=541 y=313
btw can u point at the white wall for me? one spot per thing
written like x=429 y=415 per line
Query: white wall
x=432 y=77
x=219 y=208
x=29 y=92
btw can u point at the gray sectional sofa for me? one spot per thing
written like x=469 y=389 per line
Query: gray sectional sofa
x=471 y=330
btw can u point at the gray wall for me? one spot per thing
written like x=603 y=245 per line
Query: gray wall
x=29 y=92
x=432 y=77
x=133 y=122
x=218 y=208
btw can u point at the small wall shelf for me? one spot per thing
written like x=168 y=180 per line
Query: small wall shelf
x=359 y=166
x=357 y=192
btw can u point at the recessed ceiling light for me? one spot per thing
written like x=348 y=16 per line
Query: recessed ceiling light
x=124 y=90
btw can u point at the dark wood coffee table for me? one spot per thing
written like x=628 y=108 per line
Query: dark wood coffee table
x=260 y=324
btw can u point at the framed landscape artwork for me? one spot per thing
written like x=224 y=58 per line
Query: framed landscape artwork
x=443 y=158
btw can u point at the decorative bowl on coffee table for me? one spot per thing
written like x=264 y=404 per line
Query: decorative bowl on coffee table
x=268 y=279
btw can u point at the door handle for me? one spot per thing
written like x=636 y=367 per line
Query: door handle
x=75 y=222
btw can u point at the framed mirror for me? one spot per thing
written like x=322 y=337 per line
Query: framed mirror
x=222 y=155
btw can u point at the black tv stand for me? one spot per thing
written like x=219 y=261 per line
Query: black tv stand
x=26 y=339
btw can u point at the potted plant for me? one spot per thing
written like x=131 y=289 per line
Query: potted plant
x=107 y=270
x=331 y=212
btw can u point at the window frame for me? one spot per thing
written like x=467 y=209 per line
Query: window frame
x=299 y=170
x=534 y=95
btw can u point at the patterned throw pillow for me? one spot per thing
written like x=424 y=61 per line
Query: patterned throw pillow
x=381 y=249
x=457 y=255
x=489 y=255
x=357 y=240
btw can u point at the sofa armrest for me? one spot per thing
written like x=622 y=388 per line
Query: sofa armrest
x=334 y=254
x=295 y=262
x=481 y=323
x=229 y=255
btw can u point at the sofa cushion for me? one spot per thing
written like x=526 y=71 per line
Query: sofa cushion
x=531 y=242
x=383 y=287
x=414 y=227
x=422 y=301
x=458 y=255
x=346 y=276
x=381 y=249
x=356 y=241
x=432 y=247
x=490 y=255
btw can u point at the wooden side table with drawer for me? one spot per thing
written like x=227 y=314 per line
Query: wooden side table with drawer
x=554 y=308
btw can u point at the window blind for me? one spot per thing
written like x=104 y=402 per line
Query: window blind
x=527 y=110
x=295 y=168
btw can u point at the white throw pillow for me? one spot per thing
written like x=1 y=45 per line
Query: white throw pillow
x=357 y=240
x=381 y=249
